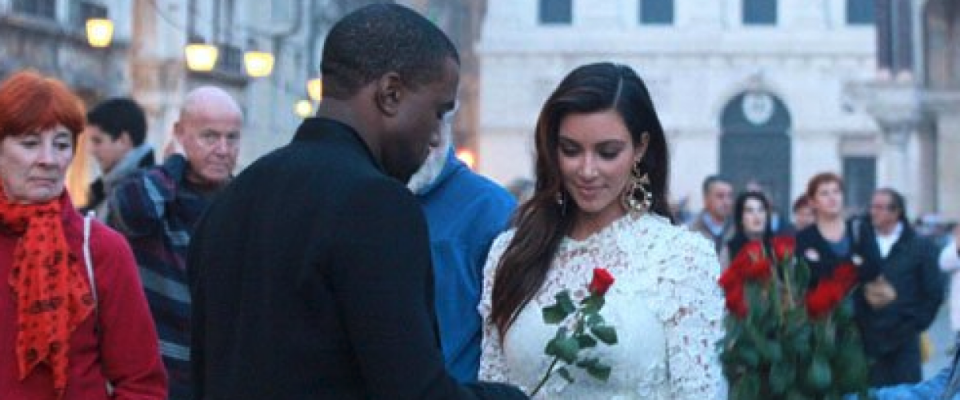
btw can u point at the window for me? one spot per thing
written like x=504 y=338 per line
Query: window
x=859 y=180
x=556 y=11
x=37 y=8
x=656 y=12
x=231 y=59
x=860 y=12
x=759 y=12
x=81 y=11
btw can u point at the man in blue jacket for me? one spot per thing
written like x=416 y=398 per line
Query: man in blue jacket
x=465 y=212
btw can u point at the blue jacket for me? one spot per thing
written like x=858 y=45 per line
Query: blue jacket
x=465 y=212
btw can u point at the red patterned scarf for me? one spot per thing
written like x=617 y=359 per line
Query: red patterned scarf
x=52 y=296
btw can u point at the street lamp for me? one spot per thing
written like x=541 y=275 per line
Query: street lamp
x=303 y=108
x=99 y=32
x=201 y=56
x=315 y=89
x=258 y=63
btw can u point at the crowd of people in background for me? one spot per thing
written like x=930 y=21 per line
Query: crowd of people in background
x=364 y=259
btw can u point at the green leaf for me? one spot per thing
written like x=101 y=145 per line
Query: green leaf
x=781 y=376
x=552 y=348
x=594 y=319
x=592 y=304
x=819 y=375
x=599 y=371
x=606 y=334
x=749 y=355
x=589 y=362
x=566 y=349
x=562 y=371
x=565 y=302
x=796 y=395
x=586 y=341
x=554 y=314
x=747 y=388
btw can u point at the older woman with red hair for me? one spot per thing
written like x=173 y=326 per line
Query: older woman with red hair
x=74 y=323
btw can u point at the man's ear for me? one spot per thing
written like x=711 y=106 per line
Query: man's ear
x=389 y=93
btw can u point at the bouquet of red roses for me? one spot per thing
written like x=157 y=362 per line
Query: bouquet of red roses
x=785 y=339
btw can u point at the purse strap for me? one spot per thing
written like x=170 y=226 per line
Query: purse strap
x=88 y=260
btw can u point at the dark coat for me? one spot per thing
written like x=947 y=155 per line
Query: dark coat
x=912 y=269
x=311 y=279
x=810 y=242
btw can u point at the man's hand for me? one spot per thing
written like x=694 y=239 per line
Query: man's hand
x=879 y=292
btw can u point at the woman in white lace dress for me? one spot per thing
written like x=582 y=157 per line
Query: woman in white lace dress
x=598 y=142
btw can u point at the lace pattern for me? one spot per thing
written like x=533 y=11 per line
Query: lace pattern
x=665 y=305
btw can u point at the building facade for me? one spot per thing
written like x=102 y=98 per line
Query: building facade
x=753 y=89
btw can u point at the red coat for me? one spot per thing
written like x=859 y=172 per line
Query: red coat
x=126 y=353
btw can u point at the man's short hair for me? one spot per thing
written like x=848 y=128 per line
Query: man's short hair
x=382 y=38
x=710 y=180
x=118 y=115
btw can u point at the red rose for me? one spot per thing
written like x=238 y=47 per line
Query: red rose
x=602 y=280
x=845 y=275
x=751 y=263
x=759 y=269
x=736 y=302
x=784 y=246
x=729 y=278
x=823 y=298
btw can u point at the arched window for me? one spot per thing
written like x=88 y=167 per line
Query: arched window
x=556 y=12
x=861 y=12
x=759 y=12
x=656 y=12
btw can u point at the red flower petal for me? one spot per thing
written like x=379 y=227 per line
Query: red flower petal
x=602 y=280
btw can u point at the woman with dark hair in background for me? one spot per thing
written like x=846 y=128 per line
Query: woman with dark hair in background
x=751 y=219
x=600 y=201
x=74 y=322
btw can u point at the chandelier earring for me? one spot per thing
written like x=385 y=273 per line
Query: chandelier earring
x=638 y=196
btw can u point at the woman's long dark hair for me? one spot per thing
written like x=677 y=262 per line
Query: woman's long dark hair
x=542 y=222
x=740 y=236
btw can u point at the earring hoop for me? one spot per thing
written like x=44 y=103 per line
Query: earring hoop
x=638 y=196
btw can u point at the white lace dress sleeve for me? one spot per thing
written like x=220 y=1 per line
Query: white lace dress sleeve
x=492 y=365
x=693 y=310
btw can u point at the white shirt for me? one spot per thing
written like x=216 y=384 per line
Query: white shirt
x=886 y=242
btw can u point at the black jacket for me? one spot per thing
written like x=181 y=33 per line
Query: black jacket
x=912 y=269
x=311 y=279
x=816 y=251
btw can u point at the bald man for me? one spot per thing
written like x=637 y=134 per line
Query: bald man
x=157 y=208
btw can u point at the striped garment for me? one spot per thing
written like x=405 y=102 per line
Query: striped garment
x=156 y=209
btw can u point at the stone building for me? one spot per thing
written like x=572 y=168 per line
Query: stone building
x=753 y=89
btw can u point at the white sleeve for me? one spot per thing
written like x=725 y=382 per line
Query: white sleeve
x=949 y=259
x=492 y=365
x=694 y=321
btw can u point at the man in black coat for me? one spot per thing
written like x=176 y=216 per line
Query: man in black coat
x=311 y=273
x=897 y=306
